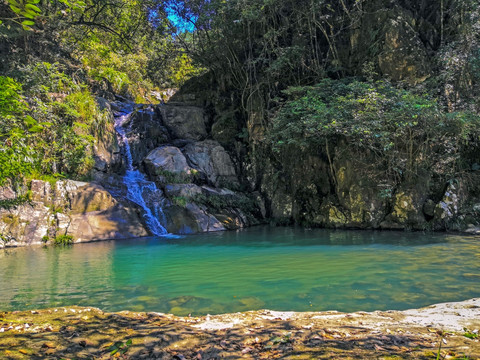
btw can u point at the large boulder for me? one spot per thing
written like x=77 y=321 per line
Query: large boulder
x=145 y=133
x=82 y=210
x=210 y=158
x=166 y=159
x=204 y=208
x=115 y=222
x=190 y=219
x=184 y=122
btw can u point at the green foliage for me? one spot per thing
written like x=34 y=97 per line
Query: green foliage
x=120 y=347
x=6 y=238
x=53 y=133
x=103 y=64
x=470 y=334
x=43 y=78
x=26 y=11
x=11 y=103
x=63 y=240
x=404 y=132
x=14 y=155
x=180 y=201
x=19 y=200
x=169 y=66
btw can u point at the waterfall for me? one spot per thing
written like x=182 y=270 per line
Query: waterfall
x=139 y=189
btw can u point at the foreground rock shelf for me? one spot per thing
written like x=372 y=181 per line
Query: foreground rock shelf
x=88 y=333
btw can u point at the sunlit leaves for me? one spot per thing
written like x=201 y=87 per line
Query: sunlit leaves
x=26 y=11
x=406 y=131
x=53 y=132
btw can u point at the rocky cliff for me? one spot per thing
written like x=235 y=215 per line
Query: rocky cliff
x=412 y=46
x=198 y=186
x=85 y=211
x=173 y=145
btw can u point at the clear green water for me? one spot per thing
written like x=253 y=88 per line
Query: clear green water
x=274 y=268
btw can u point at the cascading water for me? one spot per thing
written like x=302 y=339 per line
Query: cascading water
x=138 y=187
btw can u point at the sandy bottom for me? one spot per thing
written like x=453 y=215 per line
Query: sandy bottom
x=88 y=333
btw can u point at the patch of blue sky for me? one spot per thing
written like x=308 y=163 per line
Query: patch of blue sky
x=182 y=24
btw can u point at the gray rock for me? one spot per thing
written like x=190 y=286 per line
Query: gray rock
x=85 y=211
x=180 y=221
x=191 y=219
x=208 y=190
x=429 y=208
x=184 y=190
x=107 y=151
x=7 y=193
x=447 y=208
x=472 y=229
x=147 y=133
x=206 y=222
x=166 y=158
x=103 y=103
x=116 y=222
x=184 y=122
x=211 y=158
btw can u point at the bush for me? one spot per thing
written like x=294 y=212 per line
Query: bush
x=49 y=125
x=63 y=240
x=406 y=133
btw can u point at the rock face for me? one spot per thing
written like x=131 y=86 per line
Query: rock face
x=166 y=159
x=84 y=211
x=184 y=122
x=145 y=133
x=168 y=142
x=310 y=192
x=211 y=159
x=106 y=150
x=389 y=41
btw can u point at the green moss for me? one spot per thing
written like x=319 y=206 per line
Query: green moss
x=63 y=240
x=19 y=200
x=175 y=178
x=403 y=206
x=11 y=219
x=180 y=201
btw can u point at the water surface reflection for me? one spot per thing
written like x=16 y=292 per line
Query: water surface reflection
x=275 y=268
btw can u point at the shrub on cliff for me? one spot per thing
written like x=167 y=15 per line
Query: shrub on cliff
x=48 y=125
x=405 y=132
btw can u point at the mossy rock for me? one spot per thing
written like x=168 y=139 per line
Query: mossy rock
x=225 y=129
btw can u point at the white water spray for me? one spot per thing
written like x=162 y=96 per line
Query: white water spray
x=138 y=187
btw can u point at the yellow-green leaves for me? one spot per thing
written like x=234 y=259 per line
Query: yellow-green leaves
x=26 y=11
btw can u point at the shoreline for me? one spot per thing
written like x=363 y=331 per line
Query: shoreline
x=475 y=233
x=86 y=333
